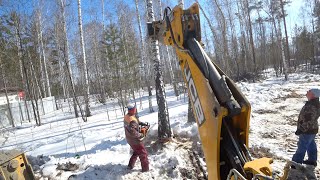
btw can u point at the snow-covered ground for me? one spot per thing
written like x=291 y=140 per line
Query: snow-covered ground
x=98 y=150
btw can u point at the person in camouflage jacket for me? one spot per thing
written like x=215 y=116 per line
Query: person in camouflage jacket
x=307 y=129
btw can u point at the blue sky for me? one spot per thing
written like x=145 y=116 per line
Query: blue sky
x=293 y=11
x=94 y=6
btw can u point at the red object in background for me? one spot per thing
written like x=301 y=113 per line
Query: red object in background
x=21 y=94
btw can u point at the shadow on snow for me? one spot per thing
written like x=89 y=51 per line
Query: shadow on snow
x=103 y=172
x=104 y=145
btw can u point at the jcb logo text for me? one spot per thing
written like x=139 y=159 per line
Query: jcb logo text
x=194 y=95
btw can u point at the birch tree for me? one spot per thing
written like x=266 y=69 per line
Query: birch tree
x=312 y=9
x=170 y=69
x=276 y=14
x=63 y=81
x=86 y=78
x=212 y=28
x=220 y=16
x=94 y=31
x=248 y=10
x=143 y=59
x=164 y=129
x=282 y=3
x=42 y=52
x=243 y=43
x=66 y=58
x=285 y=68
x=102 y=78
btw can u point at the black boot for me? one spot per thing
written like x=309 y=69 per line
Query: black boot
x=312 y=163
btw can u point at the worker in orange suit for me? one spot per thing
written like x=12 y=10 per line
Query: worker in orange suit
x=134 y=137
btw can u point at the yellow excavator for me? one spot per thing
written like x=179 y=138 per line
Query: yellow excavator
x=221 y=111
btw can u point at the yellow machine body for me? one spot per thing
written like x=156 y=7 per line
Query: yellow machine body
x=209 y=121
x=14 y=166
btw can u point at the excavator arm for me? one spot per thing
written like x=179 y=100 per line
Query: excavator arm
x=221 y=111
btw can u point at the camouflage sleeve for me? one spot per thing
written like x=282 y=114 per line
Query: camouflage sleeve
x=134 y=130
x=312 y=118
x=307 y=118
x=301 y=121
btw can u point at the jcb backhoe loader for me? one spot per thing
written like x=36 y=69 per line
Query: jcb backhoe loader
x=222 y=112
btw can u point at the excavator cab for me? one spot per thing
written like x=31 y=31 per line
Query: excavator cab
x=221 y=111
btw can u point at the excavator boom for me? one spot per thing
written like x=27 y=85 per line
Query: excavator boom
x=221 y=111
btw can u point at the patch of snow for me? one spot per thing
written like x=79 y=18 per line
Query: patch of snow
x=100 y=149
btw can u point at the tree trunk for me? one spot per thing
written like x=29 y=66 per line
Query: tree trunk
x=314 y=44
x=213 y=31
x=171 y=74
x=33 y=75
x=142 y=62
x=234 y=43
x=285 y=30
x=6 y=93
x=164 y=129
x=86 y=78
x=29 y=91
x=33 y=84
x=142 y=51
x=243 y=43
x=285 y=68
x=251 y=41
x=61 y=71
x=42 y=81
x=222 y=22
x=23 y=68
x=191 y=118
x=48 y=88
x=66 y=57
